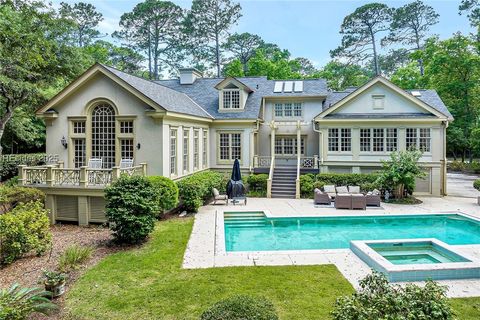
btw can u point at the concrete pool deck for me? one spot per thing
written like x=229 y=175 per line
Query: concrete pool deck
x=206 y=249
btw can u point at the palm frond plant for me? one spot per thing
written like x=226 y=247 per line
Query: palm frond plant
x=18 y=303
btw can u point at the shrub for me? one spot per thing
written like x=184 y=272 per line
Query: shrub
x=196 y=189
x=241 y=307
x=18 y=303
x=167 y=192
x=9 y=163
x=131 y=206
x=308 y=182
x=73 y=257
x=456 y=165
x=10 y=197
x=257 y=184
x=24 y=229
x=476 y=184
x=377 y=299
x=399 y=173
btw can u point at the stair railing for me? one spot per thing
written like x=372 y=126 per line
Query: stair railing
x=270 y=177
x=297 y=181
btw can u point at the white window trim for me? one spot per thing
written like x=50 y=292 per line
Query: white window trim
x=173 y=172
x=293 y=116
x=294 y=146
x=241 y=106
x=186 y=147
x=230 y=160
x=339 y=142
x=417 y=139
x=372 y=139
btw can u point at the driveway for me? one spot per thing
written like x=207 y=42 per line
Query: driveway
x=461 y=185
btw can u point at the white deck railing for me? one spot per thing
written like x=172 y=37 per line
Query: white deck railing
x=56 y=175
x=270 y=177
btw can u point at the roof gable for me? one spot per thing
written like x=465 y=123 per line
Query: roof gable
x=401 y=102
x=232 y=81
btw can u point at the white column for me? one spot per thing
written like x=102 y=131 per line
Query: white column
x=299 y=139
x=272 y=141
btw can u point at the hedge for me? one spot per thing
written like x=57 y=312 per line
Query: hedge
x=24 y=229
x=476 y=184
x=10 y=197
x=257 y=185
x=167 y=192
x=196 y=189
x=469 y=167
x=9 y=163
x=308 y=182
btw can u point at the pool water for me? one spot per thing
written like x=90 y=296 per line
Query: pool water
x=415 y=253
x=255 y=232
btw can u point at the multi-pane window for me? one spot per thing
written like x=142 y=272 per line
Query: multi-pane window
x=378 y=140
x=126 y=126
x=288 y=146
x=126 y=148
x=418 y=138
x=186 y=138
x=365 y=140
x=230 y=146
x=103 y=134
x=204 y=148
x=424 y=140
x=78 y=152
x=173 y=151
x=339 y=139
x=288 y=110
x=231 y=99
x=378 y=143
x=196 y=150
x=78 y=127
x=391 y=139
x=411 y=138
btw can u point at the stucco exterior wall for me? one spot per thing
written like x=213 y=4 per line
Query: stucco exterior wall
x=148 y=132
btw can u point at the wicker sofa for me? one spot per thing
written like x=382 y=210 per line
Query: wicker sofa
x=346 y=197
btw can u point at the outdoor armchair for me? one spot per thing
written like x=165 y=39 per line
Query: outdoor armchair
x=219 y=197
x=321 y=197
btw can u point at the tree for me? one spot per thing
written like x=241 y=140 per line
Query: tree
x=398 y=174
x=410 y=26
x=408 y=77
x=243 y=47
x=472 y=8
x=85 y=18
x=452 y=67
x=306 y=66
x=207 y=26
x=234 y=69
x=278 y=67
x=392 y=60
x=154 y=27
x=122 y=58
x=340 y=76
x=32 y=57
x=359 y=33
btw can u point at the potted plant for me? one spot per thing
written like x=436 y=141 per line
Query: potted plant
x=54 y=282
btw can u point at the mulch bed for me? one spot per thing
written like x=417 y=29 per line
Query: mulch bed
x=28 y=271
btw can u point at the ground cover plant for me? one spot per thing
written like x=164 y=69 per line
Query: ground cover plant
x=240 y=307
x=17 y=303
x=74 y=256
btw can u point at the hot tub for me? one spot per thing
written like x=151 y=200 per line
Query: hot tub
x=415 y=259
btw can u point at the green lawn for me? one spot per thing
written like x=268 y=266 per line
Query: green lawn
x=149 y=283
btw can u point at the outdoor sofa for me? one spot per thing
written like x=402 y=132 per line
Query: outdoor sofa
x=346 y=197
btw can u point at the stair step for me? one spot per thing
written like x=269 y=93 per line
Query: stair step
x=282 y=196
x=283 y=193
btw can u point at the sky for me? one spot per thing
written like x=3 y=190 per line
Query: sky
x=307 y=29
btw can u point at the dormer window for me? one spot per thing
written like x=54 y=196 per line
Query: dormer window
x=231 y=99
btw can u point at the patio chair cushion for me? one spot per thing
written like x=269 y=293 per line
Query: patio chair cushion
x=329 y=188
x=354 y=189
x=375 y=192
x=342 y=189
x=216 y=193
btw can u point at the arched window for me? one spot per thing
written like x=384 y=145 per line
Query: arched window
x=103 y=134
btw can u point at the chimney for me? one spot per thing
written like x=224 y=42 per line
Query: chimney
x=189 y=75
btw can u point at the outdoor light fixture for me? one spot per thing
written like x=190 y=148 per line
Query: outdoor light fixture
x=138 y=146
x=64 y=143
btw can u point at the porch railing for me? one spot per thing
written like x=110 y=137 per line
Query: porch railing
x=270 y=177
x=83 y=177
x=305 y=162
x=262 y=161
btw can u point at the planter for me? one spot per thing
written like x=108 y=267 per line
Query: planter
x=56 y=289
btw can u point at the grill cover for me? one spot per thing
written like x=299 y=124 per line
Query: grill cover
x=235 y=189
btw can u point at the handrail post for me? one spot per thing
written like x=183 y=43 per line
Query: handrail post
x=255 y=161
x=270 y=177
x=315 y=161
x=60 y=164
x=297 y=181
x=115 y=173
x=21 y=174
x=49 y=176
x=83 y=177
x=144 y=168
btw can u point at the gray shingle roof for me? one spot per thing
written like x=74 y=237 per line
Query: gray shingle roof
x=204 y=93
x=167 y=98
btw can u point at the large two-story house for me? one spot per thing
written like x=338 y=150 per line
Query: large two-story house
x=181 y=126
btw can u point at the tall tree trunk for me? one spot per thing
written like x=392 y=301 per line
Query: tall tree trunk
x=149 y=55
x=217 y=54
x=3 y=122
x=375 y=57
x=420 y=61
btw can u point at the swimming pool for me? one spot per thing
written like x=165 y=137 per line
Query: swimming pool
x=255 y=232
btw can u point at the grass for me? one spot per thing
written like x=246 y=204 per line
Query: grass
x=73 y=257
x=148 y=283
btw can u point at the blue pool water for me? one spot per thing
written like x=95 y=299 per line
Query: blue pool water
x=257 y=233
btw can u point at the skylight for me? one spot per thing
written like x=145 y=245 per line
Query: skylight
x=416 y=93
x=278 y=86
x=288 y=86
x=298 y=86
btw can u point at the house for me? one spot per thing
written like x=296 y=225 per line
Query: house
x=180 y=126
